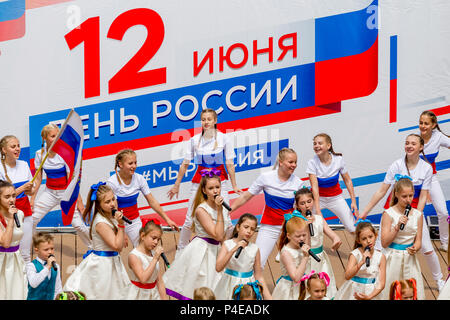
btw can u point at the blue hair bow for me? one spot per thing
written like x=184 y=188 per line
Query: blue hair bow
x=295 y=213
x=400 y=176
x=362 y=220
x=210 y=173
x=95 y=187
x=237 y=292
x=255 y=287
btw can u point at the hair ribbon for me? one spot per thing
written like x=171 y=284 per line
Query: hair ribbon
x=295 y=213
x=400 y=176
x=147 y=220
x=210 y=173
x=362 y=220
x=255 y=287
x=322 y=275
x=95 y=187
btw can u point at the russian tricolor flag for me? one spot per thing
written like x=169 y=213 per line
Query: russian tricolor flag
x=69 y=146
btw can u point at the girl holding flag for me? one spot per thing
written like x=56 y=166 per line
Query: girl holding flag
x=58 y=179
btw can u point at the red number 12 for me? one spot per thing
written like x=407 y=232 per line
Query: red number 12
x=129 y=77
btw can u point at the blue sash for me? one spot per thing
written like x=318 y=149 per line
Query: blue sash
x=239 y=274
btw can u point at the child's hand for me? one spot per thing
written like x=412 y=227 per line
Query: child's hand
x=336 y=244
x=118 y=216
x=304 y=248
x=361 y=296
x=158 y=250
x=218 y=200
x=366 y=253
x=412 y=250
x=243 y=243
x=27 y=186
x=12 y=209
x=402 y=220
x=50 y=259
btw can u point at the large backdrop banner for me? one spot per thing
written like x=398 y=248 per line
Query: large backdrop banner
x=277 y=73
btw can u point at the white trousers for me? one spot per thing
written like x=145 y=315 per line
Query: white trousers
x=27 y=239
x=46 y=201
x=132 y=231
x=340 y=208
x=266 y=240
x=185 y=233
x=440 y=205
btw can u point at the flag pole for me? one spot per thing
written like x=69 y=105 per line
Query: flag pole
x=51 y=146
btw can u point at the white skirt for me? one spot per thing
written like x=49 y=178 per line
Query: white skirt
x=13 y=278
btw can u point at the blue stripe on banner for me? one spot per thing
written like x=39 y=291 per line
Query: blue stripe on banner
x=125 y=202
x=11 y=9
x=393 y=66
x=346 y=34
x=278 y=202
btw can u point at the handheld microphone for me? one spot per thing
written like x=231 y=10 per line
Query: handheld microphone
x=165 y=260
x=224 y=204
x=53 y=263
x=407 y=209
x=16 y=218
x=311 y=227
x=367 y=258
x=238 y=252
x=312 y=254
x=113 y=211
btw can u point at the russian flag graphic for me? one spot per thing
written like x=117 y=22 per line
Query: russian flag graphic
x=69 y=146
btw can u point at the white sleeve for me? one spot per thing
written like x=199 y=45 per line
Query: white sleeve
x=58 y=283
x=390 y=175
x=143 y=185
x=35 y=278
x=29 y=175
x=257 y=186
x=228 y=148
x=342 y=168
x=426 y=185
x=444 y=141
x=311 y=167
x=37 y=159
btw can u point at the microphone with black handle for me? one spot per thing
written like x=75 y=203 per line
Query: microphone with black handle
x=312 y=254
x=407 y=209
x=113 y=211
x=367 y=258
x=224 y=204
x=311 y=227
x=53 y=263
x=165 y=260
x=238 y=251
x=16 y=218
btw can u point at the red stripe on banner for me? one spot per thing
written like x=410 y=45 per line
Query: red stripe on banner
x=393 y=101
x=347 y=77
x=12 y=29
x=441 y=111
x=242 y=124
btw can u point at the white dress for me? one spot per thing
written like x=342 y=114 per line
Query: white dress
x=445 y=292
x=13 y=280
x=365 y=280
x=195 y=267
x=285 y=288
x=100 y=277
x=317 y=247
x=238 y=271
x=138 y=293
x=400 y=265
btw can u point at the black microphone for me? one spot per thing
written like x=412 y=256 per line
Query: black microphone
x=367 y=258
x=16 y=218
x=407 y=209
x=113 y=211
x=165 y=260
x=226 y=205
x=53 y=263
x=238 y=252
x=312 y=254
x=311 y=227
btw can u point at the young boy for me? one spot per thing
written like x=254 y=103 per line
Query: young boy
x=44 y=282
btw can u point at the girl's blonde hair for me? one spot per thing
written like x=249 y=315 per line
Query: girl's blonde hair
x=433 y=119
x=398 y=186
x=200 y=196
x=307 y=286
x=328 y=140
x=101 y=192
x=120 y=157
x=208 y=110
x=44 y=133
x=3 y=143
x=282 y=155
x=204 y=293
x=359 y=228
x=289 y=227
x=395 y=291
x=422 y=143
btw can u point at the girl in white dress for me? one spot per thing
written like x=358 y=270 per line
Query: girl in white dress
x=293 y=258
x=315 y=284
x=144 y=264
x=102 y=275
x=421 y=173
x=57 y=179
x=196 y=265
x=246 y=267
x=209 y=149
x=434 y=139
x=13 y=280
x=324 y=171
x=127 y=185
x=18 y=173
x=400 y=246
x=304 y=202
x=364 y=283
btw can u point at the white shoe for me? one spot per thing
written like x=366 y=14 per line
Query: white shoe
x=444 y=247
x=440 y=284
x=277 y=258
